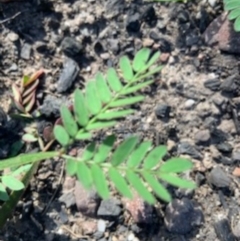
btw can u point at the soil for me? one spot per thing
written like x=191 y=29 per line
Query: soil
x=193 y=108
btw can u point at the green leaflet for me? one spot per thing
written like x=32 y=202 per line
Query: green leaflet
x=137 y=155
x=113 y=80
x=103 y=89
x=176 y=165
x=137 y=183
x=127 y=101
x=61 y=135
x=84 y=175
x=157 y=187
x=153 y=59
x=68 y=121
x=230 y=5
x=92 y=99
x=12 y=183
x=89 y=152
x=83 y=135
x=104 y=149
x=100 y=125
x=140 y=59
x=237 y=24
x=71 y=166
x=80 y=109
x=124 y=150
x=234 y=14
x=119 y=182
x=177 y=181
x=136 y=87
x=114 y=114
x=100 y=181
x=126 y=68
x=154 y=157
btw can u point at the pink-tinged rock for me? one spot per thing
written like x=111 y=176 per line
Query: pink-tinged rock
x=140 y=211
x=220 y=33
x=87 y=201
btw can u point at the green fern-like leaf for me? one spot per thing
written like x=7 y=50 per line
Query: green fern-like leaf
x=125 y=167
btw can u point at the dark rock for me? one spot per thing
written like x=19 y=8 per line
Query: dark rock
x=224 y=147
x=133 y=22
x=202 y=137
x=229 y=84
x=219 y=178
x=192 y=39
x=41 y=47
x=183 y=16
x=149 y=15
x=154 y=35
x=3 y=117
x=165 y=45
x=87 y=201
x=226 y=160
x=97 y=235
x=223 y=229
x=51 y=106
x=63 y=216
x=71 y=47
x=236 y=156
x=181 y=216
x=186 y=148
x=109 y=209
x=26 y=51
x=98 y=48
x=163 y=111
x=199 y=178
x=212 y=84
x=68 y=75
x=220 y=33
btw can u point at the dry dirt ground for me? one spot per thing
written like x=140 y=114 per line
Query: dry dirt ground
x=193 y=108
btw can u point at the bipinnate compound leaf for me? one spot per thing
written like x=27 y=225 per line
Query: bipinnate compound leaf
x=157 y=187
x=3 y=193
x=139 y=186
x=68 y=121
x=176 y=181
x=80 y=109
x=100 y=181
x=138 y=154
x=113 y=80
x=114 y=114
x=61 y=135
x=12 y=183
x=126 y=68
x=104 y=149
x=176 y=165
x=71 y=166
x=102 y=88
x=91 y=98
x=127 y=101
x=155 y=156
x=124 y=150
x=89 y=152
x=140 y=59
x=84 y=175
x=119 y=182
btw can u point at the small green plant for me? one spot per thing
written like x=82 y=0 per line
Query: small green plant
x=233 y=6
x=130 y=165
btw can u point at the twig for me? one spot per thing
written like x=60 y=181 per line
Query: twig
x=10 y=18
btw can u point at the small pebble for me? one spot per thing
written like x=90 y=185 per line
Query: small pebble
x=101 y=225
x=189 y=103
